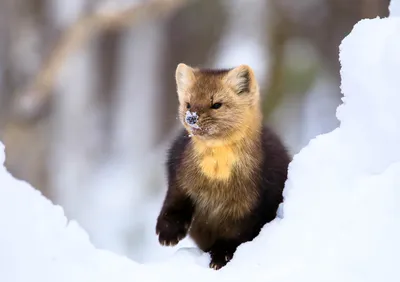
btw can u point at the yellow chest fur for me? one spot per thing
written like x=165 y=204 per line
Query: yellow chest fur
x=217 y=162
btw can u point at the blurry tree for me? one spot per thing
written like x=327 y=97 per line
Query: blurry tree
x=303 y=40
x=86 y=86
x=323 y=24
x=192 y=36
x=45 y=36
x=24 y=32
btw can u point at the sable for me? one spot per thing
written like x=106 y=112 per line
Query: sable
x=226 y=170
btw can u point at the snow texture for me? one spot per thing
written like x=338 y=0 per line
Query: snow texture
x=340 y=217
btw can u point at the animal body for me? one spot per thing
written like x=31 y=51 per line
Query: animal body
x=226 y=170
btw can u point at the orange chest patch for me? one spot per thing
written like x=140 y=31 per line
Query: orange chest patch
x=217 y=162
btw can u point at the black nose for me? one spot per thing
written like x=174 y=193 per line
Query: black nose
x=191 y=119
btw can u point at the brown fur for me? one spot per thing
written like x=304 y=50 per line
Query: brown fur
x=216 y=181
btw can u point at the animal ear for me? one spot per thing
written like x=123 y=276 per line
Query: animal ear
x=241 y=79
x=184 y=77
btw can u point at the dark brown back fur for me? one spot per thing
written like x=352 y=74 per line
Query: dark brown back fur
x=246 y=202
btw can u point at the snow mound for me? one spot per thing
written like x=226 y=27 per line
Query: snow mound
x=340 y=216
x=39 y=244
x=394 y=8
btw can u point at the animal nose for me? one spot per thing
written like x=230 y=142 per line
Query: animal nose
x=191 y=118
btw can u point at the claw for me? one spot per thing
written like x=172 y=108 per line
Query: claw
x=215 y=266
x=169 y=234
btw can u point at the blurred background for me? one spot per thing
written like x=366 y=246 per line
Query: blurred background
x=87 y=93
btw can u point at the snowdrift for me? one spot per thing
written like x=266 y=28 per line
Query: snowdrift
x=341 y=217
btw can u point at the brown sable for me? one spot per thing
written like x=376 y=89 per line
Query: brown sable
x=226 y=169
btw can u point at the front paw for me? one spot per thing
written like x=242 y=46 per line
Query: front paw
x=222 y=252
x=171 y=230
x=219 y=260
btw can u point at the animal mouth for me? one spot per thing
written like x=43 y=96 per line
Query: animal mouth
x=193 y=130
x=194 y=126
x=196 y=131
x=191 y=120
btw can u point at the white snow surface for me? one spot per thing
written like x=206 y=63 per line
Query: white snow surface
x=341 y=217
x=394 y=8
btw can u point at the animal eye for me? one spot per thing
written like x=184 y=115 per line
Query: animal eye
x=216 y=106
x=187 y=106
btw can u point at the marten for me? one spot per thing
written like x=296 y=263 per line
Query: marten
x=226 y=170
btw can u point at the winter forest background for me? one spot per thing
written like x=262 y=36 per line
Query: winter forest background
x=88 y=102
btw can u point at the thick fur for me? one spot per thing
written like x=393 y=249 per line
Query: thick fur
x=225 y=181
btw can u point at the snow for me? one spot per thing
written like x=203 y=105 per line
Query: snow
x=394 y=8
x=190 y=117
x=340 y=217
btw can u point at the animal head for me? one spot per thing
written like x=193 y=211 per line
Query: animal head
x=214 y=104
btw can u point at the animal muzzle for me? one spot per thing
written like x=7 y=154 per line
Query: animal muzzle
x=191 y=118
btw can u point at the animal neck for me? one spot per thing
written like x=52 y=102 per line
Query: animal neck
x=217 y=158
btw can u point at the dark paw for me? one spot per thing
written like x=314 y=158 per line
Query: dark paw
x=171 y=230
x=219 y=260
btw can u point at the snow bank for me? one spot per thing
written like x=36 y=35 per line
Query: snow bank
x=38 y=243
x=394 y=8
x=340 y=217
